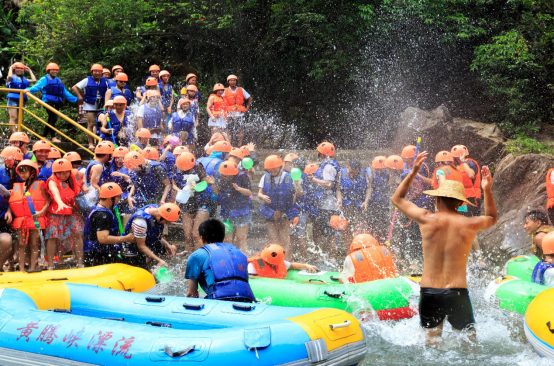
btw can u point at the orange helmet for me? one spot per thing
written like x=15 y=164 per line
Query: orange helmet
x=144 y=133
x=185 y=161
x=183 y=101
x=120 y=152
x=326 y=148
x=154 y=68
x=72 y=156
x=109 y=143
x=338 y=223
x=117 y=67
x=152 y=93
x=444 y=156
x=164 y=72
x=231 y=77
x=52 y=66
x=96 y=67
x=311 y=168
x=222 y=146
x=103 y=148
x=41 y=145
x=27 y=162
x=548 y=243
x=179 y=150
x=12 y=153
x=408 y=152
x=18 y=65
x=121 y=77
x=190 y=76
x=192 y=87
x=459 y=150
x=151 y=153
x=170 y=211
x=273 y=161
x=120 y=99
x=19 y=136
x=106 y=71
x=151 y=81
x=109 y=190
x=133 y=159
x=273 y=254
x=290 y=157
x=109 y=103
x=218 y=86
x=363 y=241
x=61 y=165
x=229 y=168
x=54 y=154
x=237 y=152
x=245 y=151
x=379 y=162
x=394 y=162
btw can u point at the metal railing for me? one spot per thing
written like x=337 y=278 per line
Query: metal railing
x=21 y=108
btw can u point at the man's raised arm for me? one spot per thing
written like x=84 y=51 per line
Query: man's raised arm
x=399 y=198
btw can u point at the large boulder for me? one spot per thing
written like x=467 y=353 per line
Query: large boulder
x=518 y=187
x=440 y=131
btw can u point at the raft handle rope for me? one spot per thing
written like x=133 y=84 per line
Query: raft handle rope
x=341 y=325
x=181 y=353
x=550 y=329
x=193 y=306
x=57 y=279
x=116 y=319
x=66 y=311
x=159 y=324
x=334 y=295
x=316 y=280
x=155 y=299
x=335 y=278
x=243 y=307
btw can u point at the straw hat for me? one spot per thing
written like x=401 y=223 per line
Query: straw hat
x=452 y=189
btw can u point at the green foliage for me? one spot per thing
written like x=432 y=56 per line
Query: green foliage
x=521 y=144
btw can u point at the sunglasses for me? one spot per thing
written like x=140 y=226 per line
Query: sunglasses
x=122 y=81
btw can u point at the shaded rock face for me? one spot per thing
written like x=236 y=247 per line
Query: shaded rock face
x=439 y=131
x=518 y=187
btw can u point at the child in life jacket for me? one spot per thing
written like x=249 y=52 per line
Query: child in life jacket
x=108 y=106
x=24 y=220
x=142 y=140
x=114 y=123
x=183 y=124
x=271 y=263
x=17 y=80
x=21 y=140
x=216 y=109
x=41 y=150
x=543 y=273
x=11 y=156
x=166 y=92
x=64 y=219
x=76 y=162
x=535 y=224
x=150 y=116
x=367 y=261
x=193 y=96
x=170 y=142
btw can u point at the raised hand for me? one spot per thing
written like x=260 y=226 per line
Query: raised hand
x=418 y=162
x=486 y=178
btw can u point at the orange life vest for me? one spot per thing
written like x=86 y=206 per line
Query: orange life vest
x=472 y=186
x=373 y=263
x=66 y=193
x=234 y=101
x=264 y=269
x=549 y=189
x=218 y=107
x=20 y=208
x=450 y=172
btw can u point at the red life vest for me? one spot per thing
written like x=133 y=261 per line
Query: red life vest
x=450 y=172
x=549 y=189
x=234 y=101
x=218 y=107
x=66 y=193
x=20 y=208
x=373 y=263
x=472 y=186
x=264 y=269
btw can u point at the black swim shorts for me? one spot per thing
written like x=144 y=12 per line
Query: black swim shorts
x=437 y=303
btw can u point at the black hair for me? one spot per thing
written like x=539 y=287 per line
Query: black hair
x=450 y=202
x=355 y=164
x=536 y=216
x=212 y=231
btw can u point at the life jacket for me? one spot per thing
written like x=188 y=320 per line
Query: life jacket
x=154 y=229
x=230 y=270
x=373 y=263
x=4 y=178
x=421 y=200
x=549 y=189
x=18 y=82
x=218 y=107
x=94 y=246
x=538 y=272
x=303 y=203
x=3 y=206
x=282 y=196
x=20 y=207
x=209 y=164
x=116 y=124
x=234 y=101
x=122 y=183
x=166 y=94
x=54 y=89
x=67 y=194
x=536 y=249
x=98 y=124
x=145 y=182
x=46 y=171
x=169 y=163
x=353 y=192
x=472 y=187
x=183 y=124
x=92 y=89
x=319 y=191
x=111 y=83
x=233 y=203
x=380 y=185
x=450 y=172
x=263 y=269
x=126 y=94
x=194 y=107
x=152 y=117
x=28 y=155
x=105 y=176
x=424 y=169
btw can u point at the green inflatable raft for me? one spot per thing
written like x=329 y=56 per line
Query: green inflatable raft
x=391 y=298
x=514 y=292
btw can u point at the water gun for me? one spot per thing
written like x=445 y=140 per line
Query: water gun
x=116 y=210
x=110 y=127
x=37 y=225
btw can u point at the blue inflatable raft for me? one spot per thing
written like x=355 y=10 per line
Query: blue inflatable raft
x=106 y=327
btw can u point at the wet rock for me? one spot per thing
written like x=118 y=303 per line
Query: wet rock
x=518 y=187
x=440 y=131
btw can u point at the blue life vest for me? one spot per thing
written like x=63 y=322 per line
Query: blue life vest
x=94 y=246
x=98 y=124
x=46 y=171
x=230 y=270
x=105 y=176
x=145 y=183
x=54 y=89
x=169 y=163
x=318 y=191
x=209 y=164
x=178 y=176
x=353 y=192
x=111 y=83
x=421 y=200
x=116 y=124
x=152 y=117
x=29 y=155
x=183 y=124
x=304 y=203
x=18 y=82
x=233 y=203
x=166 y=95
x=380 y=185
x=538 y=272
x=127 y=94
x=4 y=178
x=122 y=183
x=3 y=207
x=281 y=196
x=154 y=229
x=92 y=88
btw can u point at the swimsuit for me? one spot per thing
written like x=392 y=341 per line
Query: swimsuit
x=436 y=303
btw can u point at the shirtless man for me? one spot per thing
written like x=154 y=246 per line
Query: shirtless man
x=447 y=238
